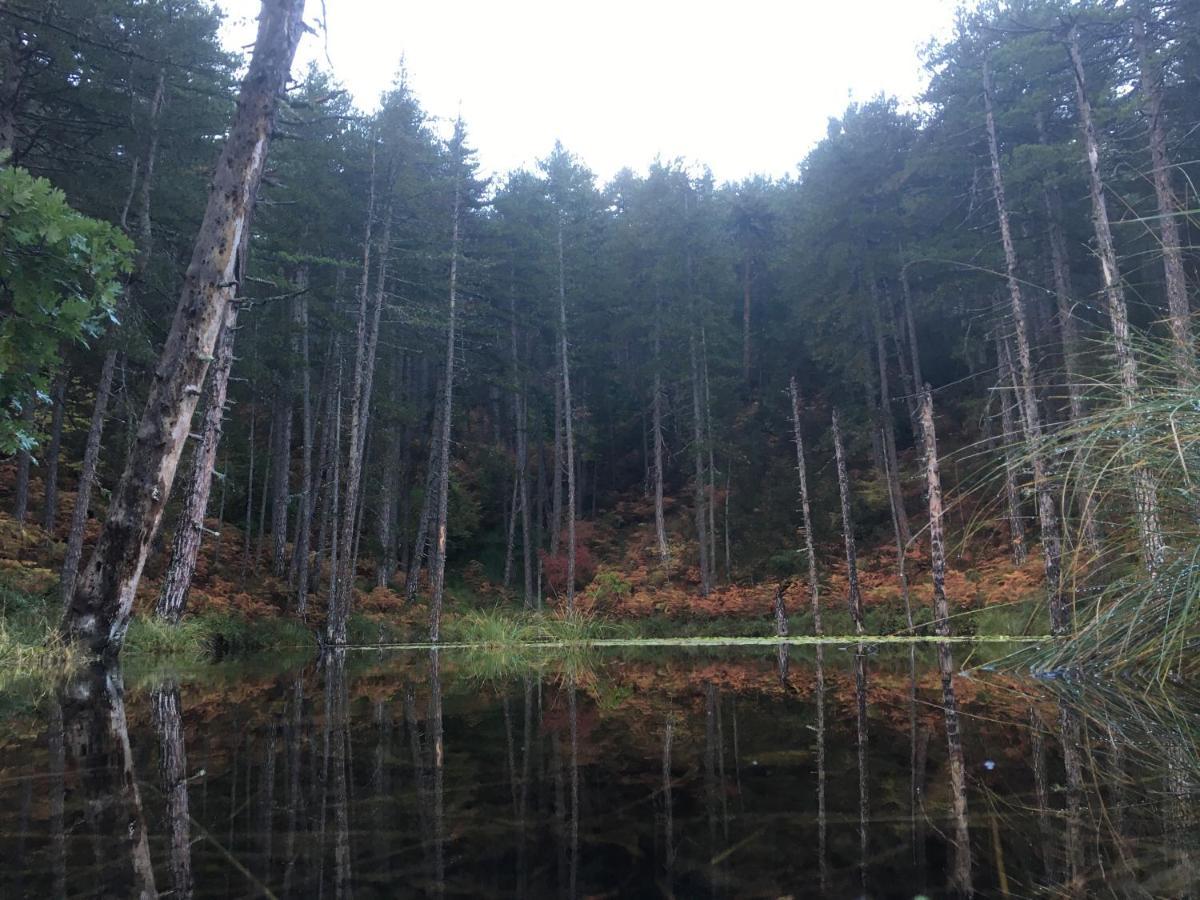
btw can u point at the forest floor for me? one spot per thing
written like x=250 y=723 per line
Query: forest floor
x=237 y=604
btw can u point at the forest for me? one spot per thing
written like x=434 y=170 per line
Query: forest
x=344 y=382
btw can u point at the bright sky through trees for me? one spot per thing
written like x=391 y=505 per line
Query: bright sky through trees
x=746 y=88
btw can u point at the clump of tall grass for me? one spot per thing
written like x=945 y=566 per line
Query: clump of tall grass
x=1134 y=609
x=206 y=636
x=506 y=628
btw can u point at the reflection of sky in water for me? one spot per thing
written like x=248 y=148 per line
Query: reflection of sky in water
x=646 y=774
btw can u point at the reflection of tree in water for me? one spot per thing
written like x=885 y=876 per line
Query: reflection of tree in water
x=961 y=873
x=172 y=767
x=96 y=739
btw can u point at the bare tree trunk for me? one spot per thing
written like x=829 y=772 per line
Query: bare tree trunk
x=855 y=595
x=700 y=488
x=50 y=479
x=189 y=531
x=99 y=611
x=87 y=476
x=746 y=318
x=264 y=497
x=249 y=524
x=366 y=338
x=728 y=548
x=1060 y=611
x=898 y=523
x=1016 y=522
x=425 y=520
x=903 y=532
x=510 y=532
x=522 y=468
x=437 y=573
x=805 y=510
x=712 y=467
x=568 y=430
x=1179 y=313
x=24 y=462
x=1144 y=488
x=304 y=512
x=281 y=470
x=937 y=538
x=556 y=483
x=660 y=528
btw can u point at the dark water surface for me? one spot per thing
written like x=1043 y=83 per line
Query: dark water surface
x=650 y=773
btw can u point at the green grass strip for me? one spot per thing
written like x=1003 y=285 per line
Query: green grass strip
x=802 y=640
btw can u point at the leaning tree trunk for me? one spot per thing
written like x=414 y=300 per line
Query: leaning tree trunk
x=98 y=614
x=805 y=510
x=1145 y=491
x=185 y=547
x=1060 y=612
x=568 y=430
x=904 y=533
x=87 y=475
x=50 y=479
x=854 y=595
x=1179 y=313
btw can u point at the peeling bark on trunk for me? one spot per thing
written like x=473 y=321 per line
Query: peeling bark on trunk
x=98 y=614
x=87 y=476
x=1060 y=612
x=1179 y=313
x=854 y=597
x=1144 y=488
x=189 y=531
x=805 y=510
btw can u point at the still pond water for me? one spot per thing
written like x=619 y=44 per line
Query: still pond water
x=815 y=772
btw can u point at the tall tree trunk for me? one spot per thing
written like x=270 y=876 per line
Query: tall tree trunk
x=1060 y=611
x=701 y=490
x=304 y=512
x=712 y=467
x=437 y=573
x=556 y=483
x=87 y=476
x=281 y=470
x=568 y=429
x=366 y=335
x=248 y=532
x=425 y=521
x=937 y=538
x=521 y=428
x=98 y=614
x=1179 y=313
x=1144 y=488
x=904 y=534
x=53 y=452
x=1012 y=493
x=24 y=463
x=746 y=278
x=855 y=595
x=189 y=531
x=660 y=528
x=810 y=552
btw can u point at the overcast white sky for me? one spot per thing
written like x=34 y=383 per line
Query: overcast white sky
x=746 y=87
